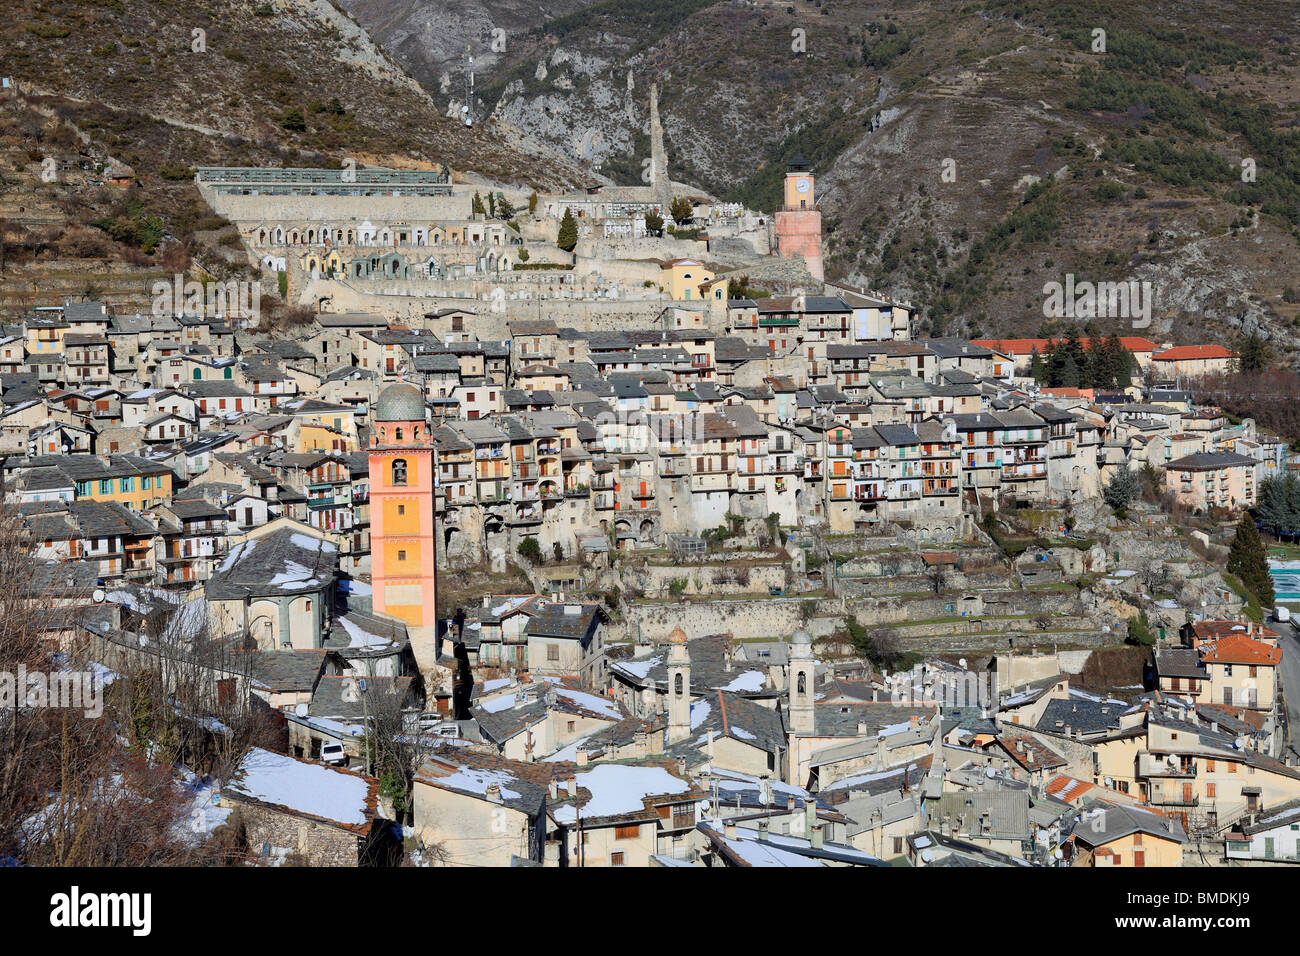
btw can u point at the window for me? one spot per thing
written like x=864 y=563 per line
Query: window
x=399 y=471
x=615 y=859
x=401 y=509
x=106 y=486
x=677 y=685
x=397 y=434
x=552 y=652
x=627 y=833
x=401 y=555
x=146 y=482
x=1210 y=790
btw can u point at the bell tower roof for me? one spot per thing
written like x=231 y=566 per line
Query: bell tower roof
x=400 y=402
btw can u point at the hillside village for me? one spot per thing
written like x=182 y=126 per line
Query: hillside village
x=598 y=528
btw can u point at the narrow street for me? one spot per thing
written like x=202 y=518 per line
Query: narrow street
x=1290 y=644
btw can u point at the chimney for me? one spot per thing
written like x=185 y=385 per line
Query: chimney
x=580 y=757
x=554 y=788
x=809 y=813
x=762 y=830
x=571 y=785
x=914 y=721
x=729 y=829
x=494 y=793
x=862 y=728
x=681 y=766
x=789 y=803
x=818 y=838
x=709 y=747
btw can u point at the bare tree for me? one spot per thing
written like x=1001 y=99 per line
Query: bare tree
x=939 y=576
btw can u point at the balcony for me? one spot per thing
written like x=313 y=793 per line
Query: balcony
x=1025 y=472
x=1154 y=766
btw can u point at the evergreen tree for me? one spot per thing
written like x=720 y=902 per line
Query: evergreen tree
x=1123 y=487
x=1139 y=630
x=681 y=210
x=568 y=237
x=654 y=223
x=532 y=202
x=1036 y=369
x=1248 y=560
x=1254 y=354
x=505 y=208
x=476 y=207
x=492 y=205
x=1068 y=372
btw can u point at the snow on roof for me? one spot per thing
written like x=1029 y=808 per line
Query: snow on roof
x=511 y=604
x=754 y=852
x=750 y=680
x=617 y=789
x=699 y=712
x=639 y=668
x=569 y=754
x=497 y=704
x=476 y=781
x=306 y=788
x=358 y=636
x=600 y=705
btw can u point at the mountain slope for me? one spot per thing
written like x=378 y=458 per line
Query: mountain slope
x=163 y=86
x=1143 y=142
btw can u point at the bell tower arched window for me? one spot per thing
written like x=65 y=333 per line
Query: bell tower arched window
x=677 y=685
x=399 y=471
x=397 y=433
x=803 y=683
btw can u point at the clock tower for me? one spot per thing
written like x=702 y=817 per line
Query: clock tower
x=799 y=221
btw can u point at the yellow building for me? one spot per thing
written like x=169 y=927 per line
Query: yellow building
x=687 y=279
x=1120 y=836
x=129 y=479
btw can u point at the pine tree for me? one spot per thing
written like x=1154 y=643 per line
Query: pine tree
x=1036 y=370
x=568 y=237
x=1123 y=487
x=1254 y=354
x=476 y=207
x=1248 y=560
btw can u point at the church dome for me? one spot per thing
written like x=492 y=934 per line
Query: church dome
x=801 y=636
x=678 y=636
x=400 y=403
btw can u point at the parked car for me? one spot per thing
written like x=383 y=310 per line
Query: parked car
x=333 y=754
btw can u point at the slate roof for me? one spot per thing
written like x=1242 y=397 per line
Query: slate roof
x=284 y=562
